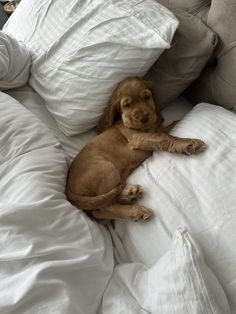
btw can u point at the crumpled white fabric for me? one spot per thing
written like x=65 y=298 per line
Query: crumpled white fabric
x=197 y=191
x=53 y=258
x=179 y=283
x=14 y=62
x=81 y=50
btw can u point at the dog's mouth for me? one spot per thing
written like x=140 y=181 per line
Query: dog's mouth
x=144 y=123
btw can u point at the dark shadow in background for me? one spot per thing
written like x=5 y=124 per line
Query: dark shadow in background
x=3 y=15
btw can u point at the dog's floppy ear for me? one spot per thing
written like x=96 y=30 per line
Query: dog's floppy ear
x=110 y=113
x=151 y=87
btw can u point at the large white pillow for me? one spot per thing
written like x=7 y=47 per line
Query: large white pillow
x=82 y=49
x=197 y=191
x=179 y=283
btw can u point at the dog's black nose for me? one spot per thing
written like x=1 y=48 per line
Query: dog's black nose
x=144 y=119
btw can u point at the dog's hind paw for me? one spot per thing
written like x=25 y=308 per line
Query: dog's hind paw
x=130 y=194
x=141 y=213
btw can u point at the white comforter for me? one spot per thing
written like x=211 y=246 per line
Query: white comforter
x=53 y=259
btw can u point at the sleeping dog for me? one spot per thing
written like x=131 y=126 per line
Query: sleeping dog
x=128 y=132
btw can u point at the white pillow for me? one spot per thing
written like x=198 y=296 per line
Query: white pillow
x=179 y=283
x=14 y=62
x=82 y=49
x=197 y=191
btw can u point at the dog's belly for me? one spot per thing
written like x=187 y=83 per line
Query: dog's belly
x=100 y=166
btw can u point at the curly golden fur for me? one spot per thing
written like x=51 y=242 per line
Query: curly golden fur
x=129 y=131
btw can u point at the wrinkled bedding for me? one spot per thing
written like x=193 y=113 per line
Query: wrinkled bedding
x=53 y=259
x=197 y=191
x=14 y=62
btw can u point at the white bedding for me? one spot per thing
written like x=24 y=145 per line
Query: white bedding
x=77 y=63
x=53 y=259
x=14 y=62
x=196 y=191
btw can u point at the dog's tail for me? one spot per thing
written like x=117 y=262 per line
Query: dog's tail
x=93 y=202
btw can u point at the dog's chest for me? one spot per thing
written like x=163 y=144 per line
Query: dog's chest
x=127 y=159
x=133 y=160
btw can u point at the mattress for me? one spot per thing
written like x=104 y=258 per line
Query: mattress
x=196 y=191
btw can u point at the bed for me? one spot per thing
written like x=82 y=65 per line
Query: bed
x=54 y=82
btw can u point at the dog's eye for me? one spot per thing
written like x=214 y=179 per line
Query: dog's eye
x=147 y=97
x=127 y=104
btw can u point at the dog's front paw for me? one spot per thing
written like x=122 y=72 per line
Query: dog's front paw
x=194 y=146
x=130 y=194
x=141 y=213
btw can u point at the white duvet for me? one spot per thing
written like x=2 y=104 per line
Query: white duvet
x=53 y=259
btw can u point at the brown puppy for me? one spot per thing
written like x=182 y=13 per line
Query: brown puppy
x=129 y=131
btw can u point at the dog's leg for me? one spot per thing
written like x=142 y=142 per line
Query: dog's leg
x=166 y=142
x=119 y=211
x=130 y=194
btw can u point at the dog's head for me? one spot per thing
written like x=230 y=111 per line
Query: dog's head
x=135 y=102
